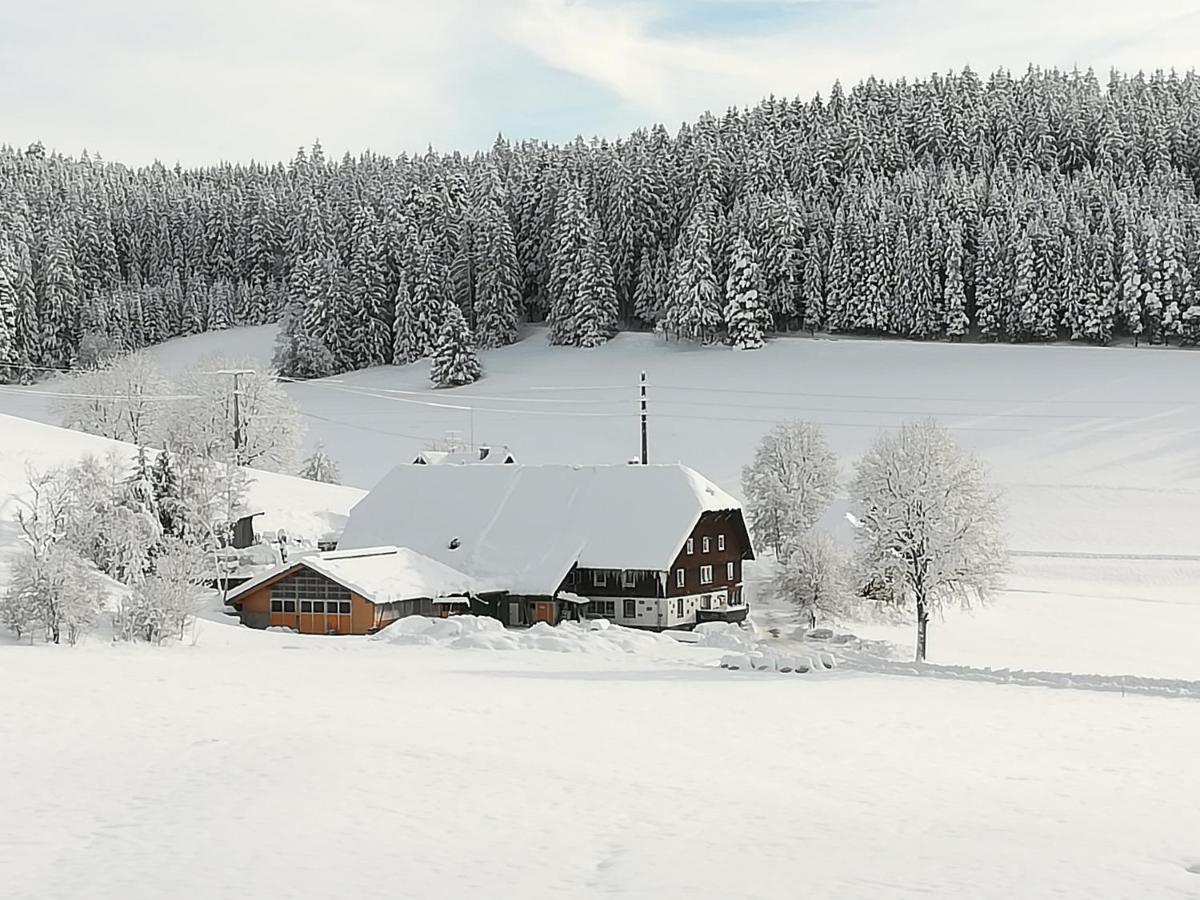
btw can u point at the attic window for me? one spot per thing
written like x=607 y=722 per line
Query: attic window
x=454 y=544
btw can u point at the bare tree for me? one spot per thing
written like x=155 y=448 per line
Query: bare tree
x=56 y=589
x=126 y=399
x=268 y=432
x=928 y=522
x=789 y=484
x=813 y=577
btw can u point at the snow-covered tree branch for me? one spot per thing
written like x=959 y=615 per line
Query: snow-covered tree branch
x=928 y=522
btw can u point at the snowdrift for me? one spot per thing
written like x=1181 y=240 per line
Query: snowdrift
x=483 y=633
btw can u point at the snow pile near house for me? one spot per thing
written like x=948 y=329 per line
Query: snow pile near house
x=483 y=633
x=753 y=654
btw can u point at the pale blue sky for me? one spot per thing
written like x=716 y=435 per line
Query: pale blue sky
x=142 y=79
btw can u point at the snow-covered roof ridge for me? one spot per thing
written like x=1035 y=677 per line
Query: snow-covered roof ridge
x=527 y=525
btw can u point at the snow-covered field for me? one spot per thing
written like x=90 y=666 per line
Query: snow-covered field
x=583 y=764
x=273 y=765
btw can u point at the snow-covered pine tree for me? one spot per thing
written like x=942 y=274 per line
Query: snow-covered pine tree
x=814 y=293
x=319 y=466
x=572 y=227
x=596 y=300
x=955 y=294
x=139 y=485
x=405 y=342
x=370 y=338
x=9 y=362
x=694 y=304
x=646 y=297
x=989 y=315
x=1132 y=290
x=454 y=361
x=747 y=318
x=498 y=287
x=168 y=494
x=57 y=298
x=430 y=295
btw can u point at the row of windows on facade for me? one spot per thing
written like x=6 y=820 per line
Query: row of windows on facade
x=629 y=577
x=330 y=608
x=607 y=609
x=705 y=544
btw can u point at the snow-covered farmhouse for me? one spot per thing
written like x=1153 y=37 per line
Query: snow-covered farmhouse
x=353 y=591
x=656 y=546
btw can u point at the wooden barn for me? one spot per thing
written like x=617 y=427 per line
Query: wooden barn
x=645 y=546
x=352 y=591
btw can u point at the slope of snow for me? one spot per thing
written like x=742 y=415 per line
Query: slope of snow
x=273 y=765
x=1095 y=448
x=305 y=509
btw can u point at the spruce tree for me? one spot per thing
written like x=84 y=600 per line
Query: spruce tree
x=454 y=361
x=746 y=315
x=498 y=292
x=955 y=294
x=814 y=294
x=168 y=494
x=1132 y=290
x=694 y=306
x=572 y=228
x=596 y=297
x=406 y=346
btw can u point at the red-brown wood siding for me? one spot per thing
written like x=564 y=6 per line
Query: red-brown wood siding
x=737 y=547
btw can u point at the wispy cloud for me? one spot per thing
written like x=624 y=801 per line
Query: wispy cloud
x=139 y=79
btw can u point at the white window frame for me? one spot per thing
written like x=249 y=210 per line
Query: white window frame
x=628 y=578
x=691 y=546
x=705 y=544
x=729 y=570
x=680 y=578
x=720 y=542
x=627 y=606
x=599 y=578
x=706 y=571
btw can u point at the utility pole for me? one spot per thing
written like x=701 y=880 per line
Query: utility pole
x=645 y=445
x=237 y=410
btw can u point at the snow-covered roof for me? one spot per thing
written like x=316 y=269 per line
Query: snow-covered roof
x=465 y=456
x=525 y=526
x=378 y=574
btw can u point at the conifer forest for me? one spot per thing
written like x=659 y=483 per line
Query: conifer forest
x=1044 y=207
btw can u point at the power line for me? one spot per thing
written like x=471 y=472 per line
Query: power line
x=754 y=391
x=893 y=425
x=71 y=395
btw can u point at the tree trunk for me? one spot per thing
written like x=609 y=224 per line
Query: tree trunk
x=922 y=629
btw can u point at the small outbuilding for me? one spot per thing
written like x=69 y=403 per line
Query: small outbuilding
x=353 y=591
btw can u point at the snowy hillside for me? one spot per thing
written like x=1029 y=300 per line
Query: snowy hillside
x=675 y=776
x=1098 y=464
x=305 y=509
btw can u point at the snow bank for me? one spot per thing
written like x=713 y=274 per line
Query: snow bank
x=483 y=633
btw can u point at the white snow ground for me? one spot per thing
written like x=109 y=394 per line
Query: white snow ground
x=275 y=765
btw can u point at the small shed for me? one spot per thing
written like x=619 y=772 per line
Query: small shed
x=353 y=591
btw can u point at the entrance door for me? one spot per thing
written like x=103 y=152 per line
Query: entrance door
x=543 y=612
